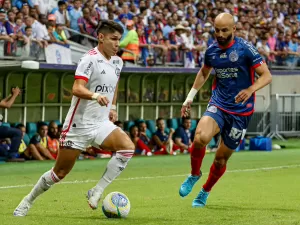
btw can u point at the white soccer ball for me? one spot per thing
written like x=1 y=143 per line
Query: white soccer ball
x=116 y=205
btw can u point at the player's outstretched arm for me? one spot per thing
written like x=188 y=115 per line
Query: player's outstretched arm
x=80 y=91
x=264 y=79
x=200 y=80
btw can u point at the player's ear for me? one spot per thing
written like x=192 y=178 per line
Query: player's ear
x=234 y=28
x=101 y=37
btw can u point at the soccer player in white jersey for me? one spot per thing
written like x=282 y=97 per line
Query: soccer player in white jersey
x=90 y=118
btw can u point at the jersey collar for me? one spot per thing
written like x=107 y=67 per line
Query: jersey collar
x=230 y=44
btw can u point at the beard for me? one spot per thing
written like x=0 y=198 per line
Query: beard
x=224 y=41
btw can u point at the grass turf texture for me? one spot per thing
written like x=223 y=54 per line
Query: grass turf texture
x=255 y=196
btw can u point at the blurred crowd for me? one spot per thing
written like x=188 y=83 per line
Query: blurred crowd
x=163 y=140
x=164 y=31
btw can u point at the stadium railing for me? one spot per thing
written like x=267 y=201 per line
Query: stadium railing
x=285 y=116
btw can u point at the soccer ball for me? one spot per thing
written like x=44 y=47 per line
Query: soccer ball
x=116 y=205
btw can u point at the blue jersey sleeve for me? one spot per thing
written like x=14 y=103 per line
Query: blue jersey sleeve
x=207 y=60
x=253 y=56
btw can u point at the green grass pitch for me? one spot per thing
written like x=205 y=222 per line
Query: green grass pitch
x=259 y=188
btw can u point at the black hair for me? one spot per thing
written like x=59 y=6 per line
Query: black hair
x=28 y=27
x=61 y=3
x=117 y=123
x=41 y=124
x=158 y=119
x=185 y=118
x=20 y=125
x=109 y=26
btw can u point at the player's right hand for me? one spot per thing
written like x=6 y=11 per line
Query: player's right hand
x=103 y=100
x=186 y=109
x=16 y=91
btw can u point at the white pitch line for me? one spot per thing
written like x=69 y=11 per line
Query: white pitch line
x=158 y=177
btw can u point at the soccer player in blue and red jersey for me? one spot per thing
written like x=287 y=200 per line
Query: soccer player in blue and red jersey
x=234 y=61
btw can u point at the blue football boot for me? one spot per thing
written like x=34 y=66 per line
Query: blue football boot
x=188 y=185
x=200 y=200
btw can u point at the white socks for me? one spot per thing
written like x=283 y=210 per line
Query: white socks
x=44 y=183
x=114 y=168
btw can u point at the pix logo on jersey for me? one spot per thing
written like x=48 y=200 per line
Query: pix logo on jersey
x=105 y=89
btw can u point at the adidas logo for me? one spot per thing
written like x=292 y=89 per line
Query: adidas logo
x=103 y=72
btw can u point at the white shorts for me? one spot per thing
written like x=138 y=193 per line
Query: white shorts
x=81 y=136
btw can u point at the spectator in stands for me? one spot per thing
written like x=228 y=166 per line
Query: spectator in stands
x=163 y=143
x=50 y=29
x=263 y=48
x=14 y=134
x=52 y=139
x=87 y=24
x=74 y=14
x=183 y=136
x=143 y=134
x=130 y=43
x=20 y=3
x=25 y=10
x=39 y=141
x=144 y=46
x=3 y=33
x=123 y=21
x=6 y=5
x=25 y=151
x=59 y=34
x=10 y=25
x=44 y=7
x=61 y=15
x=168 y=28
x=42 y=32
x=292 y=48
x=140 y=147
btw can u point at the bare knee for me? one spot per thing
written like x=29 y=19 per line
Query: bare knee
x=220 y=161
x=126 y=145
x=201 y=139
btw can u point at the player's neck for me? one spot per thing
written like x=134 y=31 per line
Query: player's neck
x=102 y=53
x=229 y=44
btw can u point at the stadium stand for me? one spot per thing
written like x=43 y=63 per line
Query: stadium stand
x=170 y=32
x=173 y=33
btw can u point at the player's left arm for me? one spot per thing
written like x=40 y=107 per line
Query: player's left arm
x=262 y=70
x=264 y=79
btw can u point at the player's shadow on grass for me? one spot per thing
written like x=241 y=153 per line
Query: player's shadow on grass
x=230 y=208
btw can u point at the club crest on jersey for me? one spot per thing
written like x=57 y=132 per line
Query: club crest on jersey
x=233 y=56
x=118 y=71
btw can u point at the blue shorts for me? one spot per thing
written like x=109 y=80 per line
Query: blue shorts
x=232 y=127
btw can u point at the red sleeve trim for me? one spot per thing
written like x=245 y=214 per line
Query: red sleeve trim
x=81 y=77
x=258 y=64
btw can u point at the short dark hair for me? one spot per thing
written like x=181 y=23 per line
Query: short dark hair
x=185 y=118
x=61 y=3
x=158 y=119
x=118 y=122
x=20 y=125
x=109 y=26
x=28 y=27
x=41 y=124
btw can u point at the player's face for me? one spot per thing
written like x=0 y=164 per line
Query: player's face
x=143 y=127
x=187 y=124
x=161 y=125
x=43 y=131
x=224 y=33
x=111 y=43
